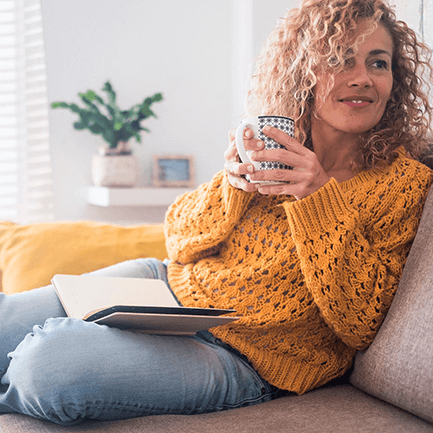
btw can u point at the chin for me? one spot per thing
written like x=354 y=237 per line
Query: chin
x=361 y=129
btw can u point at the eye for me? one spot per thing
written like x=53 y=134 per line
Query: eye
x=381 y=64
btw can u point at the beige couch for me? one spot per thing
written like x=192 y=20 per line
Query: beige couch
x=389 y=390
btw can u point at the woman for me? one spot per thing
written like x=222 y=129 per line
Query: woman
x=311 y=266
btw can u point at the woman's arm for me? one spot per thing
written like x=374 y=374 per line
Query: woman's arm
x=197 y=222
x=351 y=268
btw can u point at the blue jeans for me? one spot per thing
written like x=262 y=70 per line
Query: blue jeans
x=66 y=370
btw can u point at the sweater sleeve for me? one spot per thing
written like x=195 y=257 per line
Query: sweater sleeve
x=198 y=222
x=351 y=268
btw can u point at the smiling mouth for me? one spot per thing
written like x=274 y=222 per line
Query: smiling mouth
x=356 y=102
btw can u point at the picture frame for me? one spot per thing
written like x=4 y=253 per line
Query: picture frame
x=173 y=171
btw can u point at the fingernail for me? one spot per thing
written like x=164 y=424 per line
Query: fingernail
x=249 y=134
x=266 y=128
x=260 y=145
x=250 y=169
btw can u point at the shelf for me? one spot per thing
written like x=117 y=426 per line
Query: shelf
x=105 y=196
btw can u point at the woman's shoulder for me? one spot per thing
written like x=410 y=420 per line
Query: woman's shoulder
x=402 y=174
x=408 y=174
x=412 y=167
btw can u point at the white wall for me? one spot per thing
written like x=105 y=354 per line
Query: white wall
x=253 y=20
x=182 y=49
x=198 y=53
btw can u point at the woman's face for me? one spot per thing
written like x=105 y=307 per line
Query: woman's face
x=358 y=98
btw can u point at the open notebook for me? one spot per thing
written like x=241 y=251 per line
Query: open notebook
x=141 y=304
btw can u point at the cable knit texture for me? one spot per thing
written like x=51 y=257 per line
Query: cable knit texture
x=311 y=279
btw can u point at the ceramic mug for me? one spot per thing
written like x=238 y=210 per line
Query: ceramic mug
x=256 y=124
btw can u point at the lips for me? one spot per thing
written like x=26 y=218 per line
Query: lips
x=356 y=101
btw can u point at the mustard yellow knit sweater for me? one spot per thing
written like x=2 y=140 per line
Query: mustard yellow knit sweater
x=311 y=279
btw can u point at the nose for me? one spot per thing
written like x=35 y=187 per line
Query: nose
x=359 y=77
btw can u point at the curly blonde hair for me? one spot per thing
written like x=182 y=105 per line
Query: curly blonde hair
x=317 y=38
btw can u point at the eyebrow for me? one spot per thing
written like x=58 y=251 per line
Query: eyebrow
x=376 y=52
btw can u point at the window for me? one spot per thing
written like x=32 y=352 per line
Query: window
x=25 y=167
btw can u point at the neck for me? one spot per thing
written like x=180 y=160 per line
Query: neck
x=335 y=152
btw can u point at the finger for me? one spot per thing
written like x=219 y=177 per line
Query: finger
x=241 y=183
x=284 y=175
x=284 y=139
x=238 y=168
x=300 y=185
x=272 y=176
x=231 y=154
x=248 y=133
x=282 y=189
x=227 y=166
x=250 y=143
x=232 y=134
x=284 y=156
x=254 y=144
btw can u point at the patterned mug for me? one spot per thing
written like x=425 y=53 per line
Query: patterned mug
x=256 y=124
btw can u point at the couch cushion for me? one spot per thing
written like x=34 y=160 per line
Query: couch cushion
x=31 y=254
x=397 y=367
x=336 y=409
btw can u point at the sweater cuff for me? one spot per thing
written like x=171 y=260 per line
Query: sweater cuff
x=319 y=210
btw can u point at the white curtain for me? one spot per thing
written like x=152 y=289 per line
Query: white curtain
x=26 y=194
x=427 y=21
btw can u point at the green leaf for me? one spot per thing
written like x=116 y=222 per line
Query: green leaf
x=112 y=111
x=111 y=93
x=59 y=105
x=92 y=96
x=96 y=129
x=137 y=137
x=108 y=88
x=118 y=126
x=75 y=108
x=112 y=123
x=157 y=97
x=85 y=116
x=109 y=137
x=79 y=126
x=146 y=111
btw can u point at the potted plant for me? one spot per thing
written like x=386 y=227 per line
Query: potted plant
x=114 y=165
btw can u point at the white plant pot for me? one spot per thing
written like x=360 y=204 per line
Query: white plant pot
x=114 y=170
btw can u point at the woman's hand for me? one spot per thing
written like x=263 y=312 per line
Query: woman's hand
x=307 y=175
x=234 y=168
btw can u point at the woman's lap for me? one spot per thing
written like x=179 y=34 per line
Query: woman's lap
x=67 y=370
x=21 y=311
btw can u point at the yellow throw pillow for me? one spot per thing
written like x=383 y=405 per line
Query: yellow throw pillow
x=31 y=254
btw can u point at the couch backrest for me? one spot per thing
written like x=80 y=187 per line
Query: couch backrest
x=398 y=366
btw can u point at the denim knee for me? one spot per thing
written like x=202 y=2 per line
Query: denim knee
x=48 y=373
